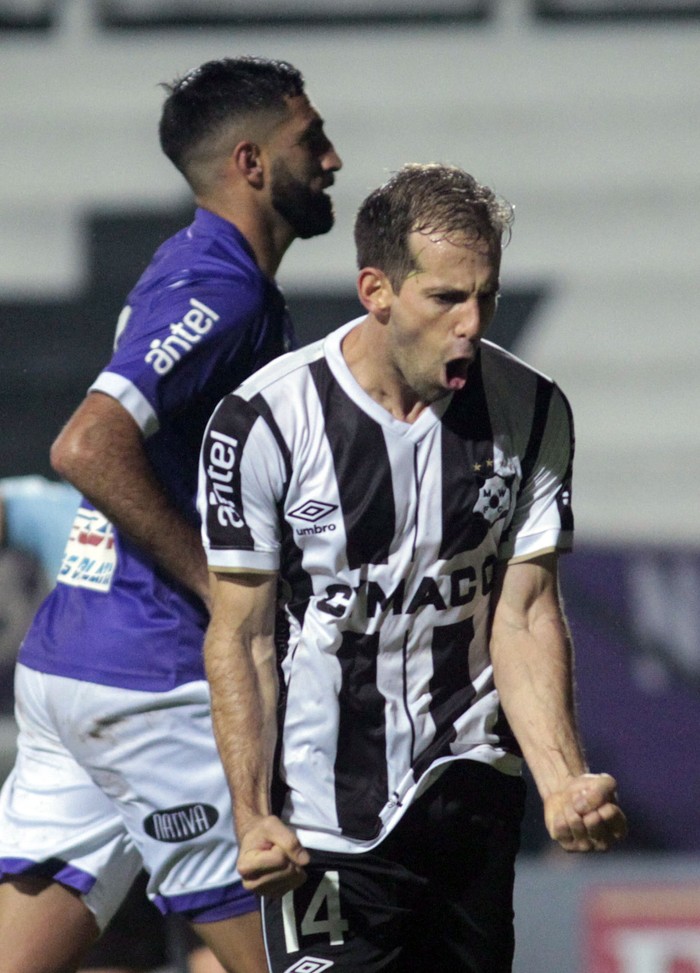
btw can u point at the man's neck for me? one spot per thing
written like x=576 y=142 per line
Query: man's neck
x=269 y=239
x=363 y=349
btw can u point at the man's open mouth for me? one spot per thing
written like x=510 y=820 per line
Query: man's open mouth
x=456 y=373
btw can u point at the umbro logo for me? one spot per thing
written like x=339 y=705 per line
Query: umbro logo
x=313 y=510
x=310 y=964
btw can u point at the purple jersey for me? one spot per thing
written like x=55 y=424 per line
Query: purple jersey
x=202 y=317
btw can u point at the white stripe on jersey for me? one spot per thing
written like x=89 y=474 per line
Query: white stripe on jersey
x=388 y=540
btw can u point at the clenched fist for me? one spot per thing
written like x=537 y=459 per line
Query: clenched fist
x=584 y=815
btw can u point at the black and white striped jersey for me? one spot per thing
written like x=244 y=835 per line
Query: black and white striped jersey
x=385 y=535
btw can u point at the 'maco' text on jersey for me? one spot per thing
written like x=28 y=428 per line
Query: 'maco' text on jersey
x=452 y=590
x=184 y=335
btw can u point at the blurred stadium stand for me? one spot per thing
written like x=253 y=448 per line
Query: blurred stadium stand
x=164 y=14
x=586 y=115
x=589 y=11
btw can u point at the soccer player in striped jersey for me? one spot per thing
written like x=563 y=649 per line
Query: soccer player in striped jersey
x=403 y=489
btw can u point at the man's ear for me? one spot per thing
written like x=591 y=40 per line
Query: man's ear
x=246 y=157
x=375 y=292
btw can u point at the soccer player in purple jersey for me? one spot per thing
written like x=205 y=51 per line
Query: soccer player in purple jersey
x=408 y=483
x=116 y=763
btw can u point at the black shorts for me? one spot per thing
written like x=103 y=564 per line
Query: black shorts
x=436 y=895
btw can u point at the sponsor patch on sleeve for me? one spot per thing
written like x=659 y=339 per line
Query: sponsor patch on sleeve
x=90 y=558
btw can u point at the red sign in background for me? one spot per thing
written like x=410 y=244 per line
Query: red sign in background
x=642 y=929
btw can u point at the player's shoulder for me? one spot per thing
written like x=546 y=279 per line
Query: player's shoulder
x=497 y=360
x=522 y=398
x=184 y=298
x=504 y=372
x=210 y=254
x=274 y=381
x=273 y=394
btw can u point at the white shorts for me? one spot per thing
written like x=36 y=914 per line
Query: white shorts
x=109 y=780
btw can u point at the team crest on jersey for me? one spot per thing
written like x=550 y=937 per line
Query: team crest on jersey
x=495 y=495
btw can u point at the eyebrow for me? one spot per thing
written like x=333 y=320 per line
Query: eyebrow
x=449 y=291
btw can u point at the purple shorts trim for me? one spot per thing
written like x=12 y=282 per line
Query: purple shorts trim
x=212 y=905
x=53 y=868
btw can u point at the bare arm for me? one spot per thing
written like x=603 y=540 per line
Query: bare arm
x=533 y=669
x=240 y=659
x=100 y=451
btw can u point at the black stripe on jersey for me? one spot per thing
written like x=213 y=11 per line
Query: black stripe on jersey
x=223 y=445
x=506 y=737
x=278 y=787
x=300 y=587
x=451 y=689
x=362 y=471
x=564 y=507
x=467 y=461
x=259 y=403
x=361 y=781
x=299 y=583
x=543 y=398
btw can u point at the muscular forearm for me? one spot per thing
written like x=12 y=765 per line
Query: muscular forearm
x=241 y=667
x=533 y=675
x=242 y=734
x=533 y=672
x=240 y=664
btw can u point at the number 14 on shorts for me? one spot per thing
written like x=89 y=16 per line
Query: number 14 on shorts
x=322 y=915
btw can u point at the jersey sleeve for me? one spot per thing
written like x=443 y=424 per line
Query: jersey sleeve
x=543 y=517
x=242 y=476
x=177 y=344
